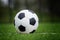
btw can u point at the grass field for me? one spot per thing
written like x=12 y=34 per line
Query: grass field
x=45 y=31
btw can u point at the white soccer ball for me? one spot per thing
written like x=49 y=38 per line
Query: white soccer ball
x=26 y=21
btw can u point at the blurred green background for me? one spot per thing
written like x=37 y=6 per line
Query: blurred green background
x=48 y=12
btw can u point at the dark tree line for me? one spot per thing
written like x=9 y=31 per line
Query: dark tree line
x=53 y=7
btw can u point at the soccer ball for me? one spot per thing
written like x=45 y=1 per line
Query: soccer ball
x=26 y=21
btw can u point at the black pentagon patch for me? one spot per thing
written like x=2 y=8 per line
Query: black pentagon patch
x=32 y=31
x=32 y=21
x=21 y=28
x=21 y=15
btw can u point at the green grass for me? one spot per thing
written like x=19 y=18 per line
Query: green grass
x=45 y=31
